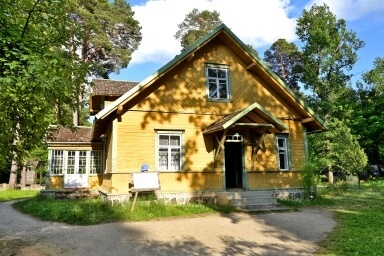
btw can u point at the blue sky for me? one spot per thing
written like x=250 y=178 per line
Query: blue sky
x=255 y=22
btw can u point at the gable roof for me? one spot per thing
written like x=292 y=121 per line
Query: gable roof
x=312 y=121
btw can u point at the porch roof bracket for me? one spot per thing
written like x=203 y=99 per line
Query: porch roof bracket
x=221 y=143
x=119 y=109
x=258 y=144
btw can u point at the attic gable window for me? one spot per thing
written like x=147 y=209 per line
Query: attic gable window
x=217 y=77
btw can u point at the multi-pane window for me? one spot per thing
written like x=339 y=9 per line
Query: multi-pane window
x=283 y=156
x=95 y=162
x=217 y=82
x=57 y=162
x=82 y=163
x=169 y=152
x=75 y=162
x=71 y=162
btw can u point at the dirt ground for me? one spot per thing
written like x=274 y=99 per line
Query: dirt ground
x=280 y=233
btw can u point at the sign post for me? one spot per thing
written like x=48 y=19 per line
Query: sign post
x=144 y=181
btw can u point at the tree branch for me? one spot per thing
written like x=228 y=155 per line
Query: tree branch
x=29 y=16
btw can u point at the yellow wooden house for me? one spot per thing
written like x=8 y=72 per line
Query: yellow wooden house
x=214 y=118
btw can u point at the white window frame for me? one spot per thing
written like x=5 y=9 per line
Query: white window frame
x=95 y=162
x=56 y=162
x=84 y=161
x=170 y=150
x=217 y=80
x=282 y=152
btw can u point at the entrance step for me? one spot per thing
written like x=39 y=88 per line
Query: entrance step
x=76 y=193
x=252 y=201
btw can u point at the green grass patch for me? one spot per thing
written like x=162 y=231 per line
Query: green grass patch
x=95 y=211
x=14 y=194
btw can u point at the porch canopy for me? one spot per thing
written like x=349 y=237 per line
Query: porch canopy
x=254 y=117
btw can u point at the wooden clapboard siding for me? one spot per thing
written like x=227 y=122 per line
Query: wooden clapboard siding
x=107 y=182
x=287 y=179
x=187 y=181
x=184 y=88
x=137 y=138
x=296 y=144
x=95 y=181
x=108 y=147
x=266 y=159
x=56 y=182
x=120 y=182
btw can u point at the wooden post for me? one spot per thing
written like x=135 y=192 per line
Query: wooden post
x=134 y=201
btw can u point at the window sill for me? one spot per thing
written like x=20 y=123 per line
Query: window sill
x=219 y=100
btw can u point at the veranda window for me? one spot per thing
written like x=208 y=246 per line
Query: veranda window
x=56 y=162
x=75 y=162
x=95 y=163
x=169 y=152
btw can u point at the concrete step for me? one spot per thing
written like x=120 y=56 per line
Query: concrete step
x=262 y=208
x=248 y=194
x=252 y=201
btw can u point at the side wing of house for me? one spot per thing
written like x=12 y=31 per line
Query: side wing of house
x=212 y=119
x=73 y=160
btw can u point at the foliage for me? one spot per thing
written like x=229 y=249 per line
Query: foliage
x=253 y=50
x=309 y=179
x=369 y=117
x=105 y=33
x=12 y=194
x=337 y=149
x=329 y=52
x=285 y=60
x=95 y=211
x=196 y=25
x=37 y=74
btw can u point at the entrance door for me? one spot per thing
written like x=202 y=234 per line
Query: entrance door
x=76 y=175
x=233 y=164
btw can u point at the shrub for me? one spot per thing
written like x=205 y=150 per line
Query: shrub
x=309 y=179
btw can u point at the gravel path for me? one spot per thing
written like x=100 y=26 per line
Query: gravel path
x=283 y=233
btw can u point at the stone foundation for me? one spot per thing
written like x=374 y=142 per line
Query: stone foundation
x=188 y=197
x=114 y=197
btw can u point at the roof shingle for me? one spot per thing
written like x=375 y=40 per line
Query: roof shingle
x=106 y=87
x=64 y=134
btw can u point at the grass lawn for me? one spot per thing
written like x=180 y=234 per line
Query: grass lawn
x=11 y=194
x=359 y=213
x=95 y=211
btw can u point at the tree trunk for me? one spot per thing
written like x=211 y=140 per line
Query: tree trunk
x=23 y=180
x=75 y=118
x=13 y=174
x=330 y=176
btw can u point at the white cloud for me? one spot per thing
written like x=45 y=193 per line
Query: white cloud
x=259 y=23
x=353 y=9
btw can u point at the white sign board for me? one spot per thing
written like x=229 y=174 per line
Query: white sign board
x=145 y=181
